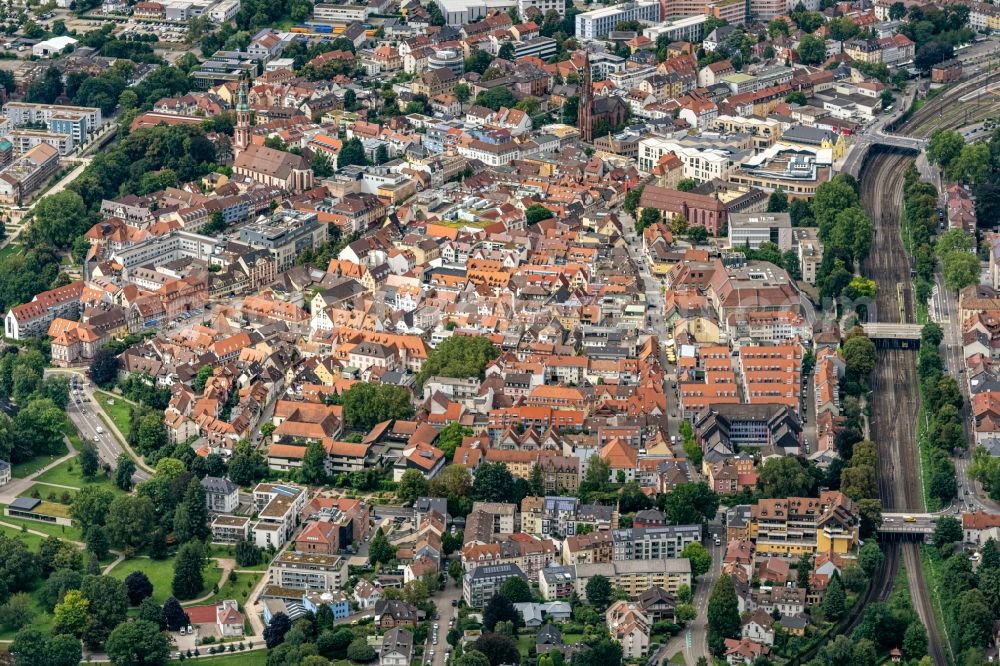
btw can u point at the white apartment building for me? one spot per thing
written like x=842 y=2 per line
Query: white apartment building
x=687 y=29
x=23 y=113
x=544 y=6
x=700 y=164
x=308 y=571
x=597 y=23
x=278 y=508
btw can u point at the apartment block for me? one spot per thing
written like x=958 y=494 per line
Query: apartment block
x=230 y=529
x=480 y=584
x=637 y=576
x=278 y=508
x=795 y=526
x=654 y=543
x=79 y=120
x=308 y=571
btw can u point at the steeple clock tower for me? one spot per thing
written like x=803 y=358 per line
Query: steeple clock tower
x=585 y=110
x=242 y=132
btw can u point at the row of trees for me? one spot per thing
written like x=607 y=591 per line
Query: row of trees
x=970 y=600
x=941 y=401
x=919 y=224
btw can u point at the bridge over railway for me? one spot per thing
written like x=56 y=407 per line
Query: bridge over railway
x=863 y=142
x=893 y=336
x=908 y=524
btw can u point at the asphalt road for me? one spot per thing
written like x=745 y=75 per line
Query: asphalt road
x=698 y=628
x=442 y=601
x=971 y=496
x=82 y=411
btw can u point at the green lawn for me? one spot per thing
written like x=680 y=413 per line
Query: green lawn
x=32 y=541
x=240 y=590
x=71 y=532
x=524 y=643
x=119 y=412
x=45 y=492
x=254 y=658
x=161 y=575
x=223 y=550
x=69 y=474
x=28 y=467
x=9 y=249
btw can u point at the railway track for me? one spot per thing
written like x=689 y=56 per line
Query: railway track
x=895 y=397
x=895 y=400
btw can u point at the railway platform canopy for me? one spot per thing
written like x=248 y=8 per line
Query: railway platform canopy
x=893 y=336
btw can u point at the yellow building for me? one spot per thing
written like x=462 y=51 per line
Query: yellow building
x=795 y=526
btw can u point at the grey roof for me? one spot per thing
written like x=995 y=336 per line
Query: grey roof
x=557 y=574
x=794 y=621
x=398 y=640
x=25 y=503
x=428 y=504
x=650 y=514
x=808 y=135
x=497 y=571
x=549 y=634
x=218 y=486
x=560 y=503
x=640 y=533
x=596 y=511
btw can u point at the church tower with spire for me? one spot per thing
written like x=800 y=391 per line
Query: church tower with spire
x=585 y=109
x=242 y=132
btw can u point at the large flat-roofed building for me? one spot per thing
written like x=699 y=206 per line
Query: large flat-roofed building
x=686 y=29
x=636 y=576
x=327 y=11
x=798 y=171
x=308 y=571
x=461 y=12
x=278 y=509
x=81 y=120
x=597 y=23
x=810 y=251
x=754 y=229
x=285 y=235
x=24 y=140
x=27 y=173
x=230 y=529
x=169 y=247
x=703 y=160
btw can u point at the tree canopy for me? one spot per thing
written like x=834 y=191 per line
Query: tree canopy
x=459 y=356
